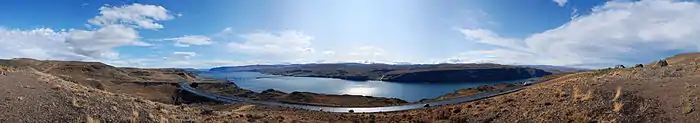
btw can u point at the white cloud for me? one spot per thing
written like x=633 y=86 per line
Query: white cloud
x=140 y=62
x=75 y=44
x=560 y=2
x=618 y=32
x=179 y=56
x=99 y=43
x=368 y=51
x=188 y=40
x=360 y=54
x=42 y=43
x=284 y=45
x=491 y=38
x=136 y=15
x=328 y=53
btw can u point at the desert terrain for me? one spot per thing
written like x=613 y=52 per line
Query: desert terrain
x=656 y=92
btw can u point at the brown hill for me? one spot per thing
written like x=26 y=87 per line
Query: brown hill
x=131 y=81
x=32 y=96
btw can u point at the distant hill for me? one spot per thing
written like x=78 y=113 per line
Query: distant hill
x=555 y=69
x=434 y=73
x=246 y=68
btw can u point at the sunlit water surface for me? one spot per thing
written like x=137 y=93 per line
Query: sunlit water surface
x=407 y=91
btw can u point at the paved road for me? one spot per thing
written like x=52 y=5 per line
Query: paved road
x=186 y=87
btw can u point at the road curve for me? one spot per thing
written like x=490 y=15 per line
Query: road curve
x=185 y=86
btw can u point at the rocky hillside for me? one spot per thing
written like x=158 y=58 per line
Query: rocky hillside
x=410 y=73
x=150 y=84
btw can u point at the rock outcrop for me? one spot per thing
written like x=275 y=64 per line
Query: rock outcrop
x=661 y=63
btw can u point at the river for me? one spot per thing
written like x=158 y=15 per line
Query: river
x=411 y=92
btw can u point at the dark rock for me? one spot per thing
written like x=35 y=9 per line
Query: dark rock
x=638 y=66
x=619 y=66
x=661 y=63
x=207 y=111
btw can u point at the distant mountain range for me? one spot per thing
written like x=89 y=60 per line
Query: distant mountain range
x=432 y=73
x=548 y=68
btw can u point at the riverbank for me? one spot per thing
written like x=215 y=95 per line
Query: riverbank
x=488 y=88
x=304 y=98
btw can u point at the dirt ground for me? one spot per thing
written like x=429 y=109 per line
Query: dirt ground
x=649 y=94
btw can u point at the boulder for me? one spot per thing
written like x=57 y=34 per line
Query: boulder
x=638 y=66
x=619 y=66
x=661 y=63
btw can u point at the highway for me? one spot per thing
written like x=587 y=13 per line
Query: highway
x=185 y=86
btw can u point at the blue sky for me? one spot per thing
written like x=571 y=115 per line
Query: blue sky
x=208 y=33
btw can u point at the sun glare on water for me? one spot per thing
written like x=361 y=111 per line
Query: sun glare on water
x=365 y=91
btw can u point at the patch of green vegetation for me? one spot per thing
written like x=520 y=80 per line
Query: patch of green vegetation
x=687 y=107
x=4 y=67
x=602 y=71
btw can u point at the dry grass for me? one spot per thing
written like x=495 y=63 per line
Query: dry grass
x=89 y=119
x=587 y=96
x=75 y=102
x=618 y=93
x=164 y=120
x=4 y=69
x=687 y=107
x=561 y=93
x=578 y=95
x=134 y=117
x=617 y=106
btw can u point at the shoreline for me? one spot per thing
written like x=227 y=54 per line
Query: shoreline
x=279 y=96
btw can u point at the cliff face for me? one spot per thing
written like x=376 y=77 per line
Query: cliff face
x=465 y=75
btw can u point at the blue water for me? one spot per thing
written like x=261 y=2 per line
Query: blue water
x=411 y=92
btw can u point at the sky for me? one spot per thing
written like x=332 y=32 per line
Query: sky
x=210 y=33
